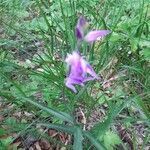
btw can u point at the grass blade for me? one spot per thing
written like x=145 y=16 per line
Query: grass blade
x=78 y=137
x=61 y=115
x=92 y=139
x=59 y=127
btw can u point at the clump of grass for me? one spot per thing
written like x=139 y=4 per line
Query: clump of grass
x=36 y=37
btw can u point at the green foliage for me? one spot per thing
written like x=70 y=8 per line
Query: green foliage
x=111 y=140
x=35 y=39
x=4 y=143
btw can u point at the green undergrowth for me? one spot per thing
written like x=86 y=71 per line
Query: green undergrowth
x=35 y=39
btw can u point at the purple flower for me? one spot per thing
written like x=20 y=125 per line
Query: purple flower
x=96 y=35
x=79 y=70
x=92 y=35
x=80 y=27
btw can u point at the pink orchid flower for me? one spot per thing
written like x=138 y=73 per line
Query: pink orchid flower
x=79 y=70
x=92 y=35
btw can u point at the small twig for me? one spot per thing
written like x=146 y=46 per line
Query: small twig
x=83 y=118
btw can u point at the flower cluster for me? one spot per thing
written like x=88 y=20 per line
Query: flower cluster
x=80 y=70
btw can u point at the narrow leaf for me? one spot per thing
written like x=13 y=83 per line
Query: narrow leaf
x=59 y=127
x=93 y=140
x=61 y=115
x=77 y=145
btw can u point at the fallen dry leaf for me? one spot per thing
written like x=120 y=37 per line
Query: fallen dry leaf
x=44 y=144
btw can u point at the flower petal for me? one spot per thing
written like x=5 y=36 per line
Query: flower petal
x=80 y=27
x=96 y=35
x=79 y=33
x=81 y=22
x=90 y=71
x=70 y=86
x=70 y=83
x=72 y=59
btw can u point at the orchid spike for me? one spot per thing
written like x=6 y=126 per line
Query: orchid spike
x=79 y=70
x=91 y=36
